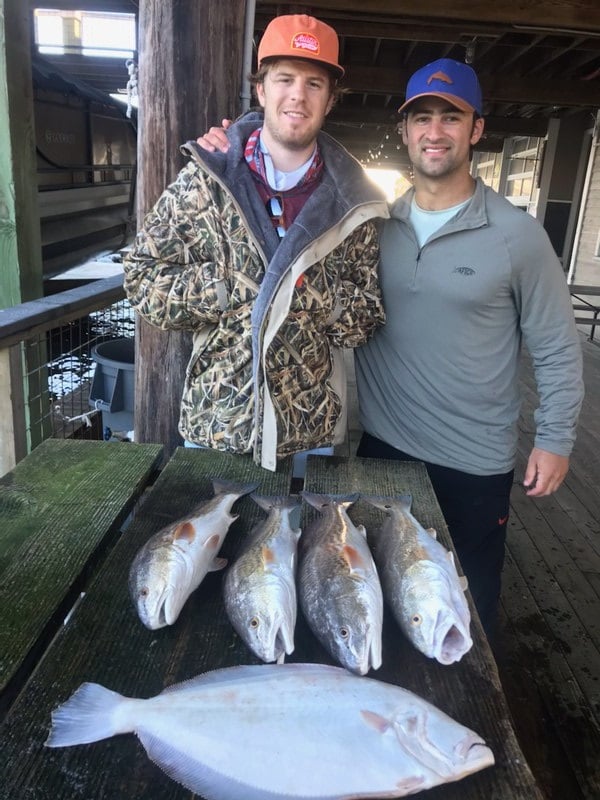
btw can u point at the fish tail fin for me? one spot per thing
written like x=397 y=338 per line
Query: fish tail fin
x=291 y=503
x=387 y=503
x=320 y=501
x=222 y=486
x=87 y=716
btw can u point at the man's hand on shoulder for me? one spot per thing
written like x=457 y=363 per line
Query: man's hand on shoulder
x=545 y=472
x=215 y=140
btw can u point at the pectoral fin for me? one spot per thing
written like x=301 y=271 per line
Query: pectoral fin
x=268 y=557
x=185 y=531
x=353 y=558
x=376 y=721
x=213 y=543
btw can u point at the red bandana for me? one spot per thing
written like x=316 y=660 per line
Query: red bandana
x=292 y=199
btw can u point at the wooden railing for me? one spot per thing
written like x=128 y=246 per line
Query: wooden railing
x=586 y=306
x=24 y=358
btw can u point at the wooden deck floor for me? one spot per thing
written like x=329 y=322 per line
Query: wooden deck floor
x=548 y=648
x=548 y=651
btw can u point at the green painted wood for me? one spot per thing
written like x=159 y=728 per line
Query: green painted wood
x=58 y=508
x=105 y=641
x=9 y=275
x=20 y=243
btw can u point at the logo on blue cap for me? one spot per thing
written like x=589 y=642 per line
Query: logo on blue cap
x=449 y=79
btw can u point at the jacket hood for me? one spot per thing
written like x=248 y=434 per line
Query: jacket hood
x=346 y=173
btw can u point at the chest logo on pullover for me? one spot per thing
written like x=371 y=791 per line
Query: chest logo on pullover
x=464 y=270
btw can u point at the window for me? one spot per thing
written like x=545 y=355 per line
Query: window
x=49 y=31
x=108 y=35
x=487 y=167
x=89 y=33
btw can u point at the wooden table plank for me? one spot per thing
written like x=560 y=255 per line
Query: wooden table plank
x=469 y=691
x=58 y=508
x=105 y=641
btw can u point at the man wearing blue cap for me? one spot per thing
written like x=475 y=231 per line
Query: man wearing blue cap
x=466 y=278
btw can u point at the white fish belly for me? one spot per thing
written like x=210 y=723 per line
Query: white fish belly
x=300 y=731
x=216 y=522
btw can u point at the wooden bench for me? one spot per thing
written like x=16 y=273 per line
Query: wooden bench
x=60 y=510
x=586 y=310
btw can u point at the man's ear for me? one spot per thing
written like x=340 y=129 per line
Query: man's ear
x=477 y=132
x=260 y=94
x=403 y=131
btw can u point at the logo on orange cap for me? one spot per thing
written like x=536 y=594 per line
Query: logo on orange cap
x=306 y=41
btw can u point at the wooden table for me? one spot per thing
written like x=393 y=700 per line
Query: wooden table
x=104 y=640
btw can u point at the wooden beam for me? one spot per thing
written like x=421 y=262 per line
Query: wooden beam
x=571 y=15
x=496 y=89
x=386 y=118
x=189 y=76
x=401 y=29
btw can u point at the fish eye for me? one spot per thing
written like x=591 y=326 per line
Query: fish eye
x=254 y=622
x=344 y=633
x=416 y=620
x=144 y=591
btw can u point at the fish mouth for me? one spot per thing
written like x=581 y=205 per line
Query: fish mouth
x=162 y=615
x=474 y=752
x=451 y=641
x=369 y=658
x=276 y=642
x=375 y=658
x=284 y=643
x=158 y=616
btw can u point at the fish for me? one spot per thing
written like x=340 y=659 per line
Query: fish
x=282 y=732
x=174 y=561
x=259 y=588
x=421 y=583
x=339 y=589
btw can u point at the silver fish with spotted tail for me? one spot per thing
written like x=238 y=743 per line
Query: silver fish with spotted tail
x=259 y=589
x=420 y=582
x=340 y=593
x=174 y=561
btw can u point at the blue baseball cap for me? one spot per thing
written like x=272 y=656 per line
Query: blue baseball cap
x=449 y=79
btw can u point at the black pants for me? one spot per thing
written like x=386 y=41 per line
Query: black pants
x=476 y=509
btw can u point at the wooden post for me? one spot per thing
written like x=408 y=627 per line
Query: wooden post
x=189 y=78
x=20 y=241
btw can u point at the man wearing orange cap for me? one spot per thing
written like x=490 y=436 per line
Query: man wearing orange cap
x=269 y=254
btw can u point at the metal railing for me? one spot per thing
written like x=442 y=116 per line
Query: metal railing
x=46 y=364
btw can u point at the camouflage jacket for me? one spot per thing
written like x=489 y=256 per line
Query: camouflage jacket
x=268 y=317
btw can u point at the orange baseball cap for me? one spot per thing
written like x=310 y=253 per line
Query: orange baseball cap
x=301 y=36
